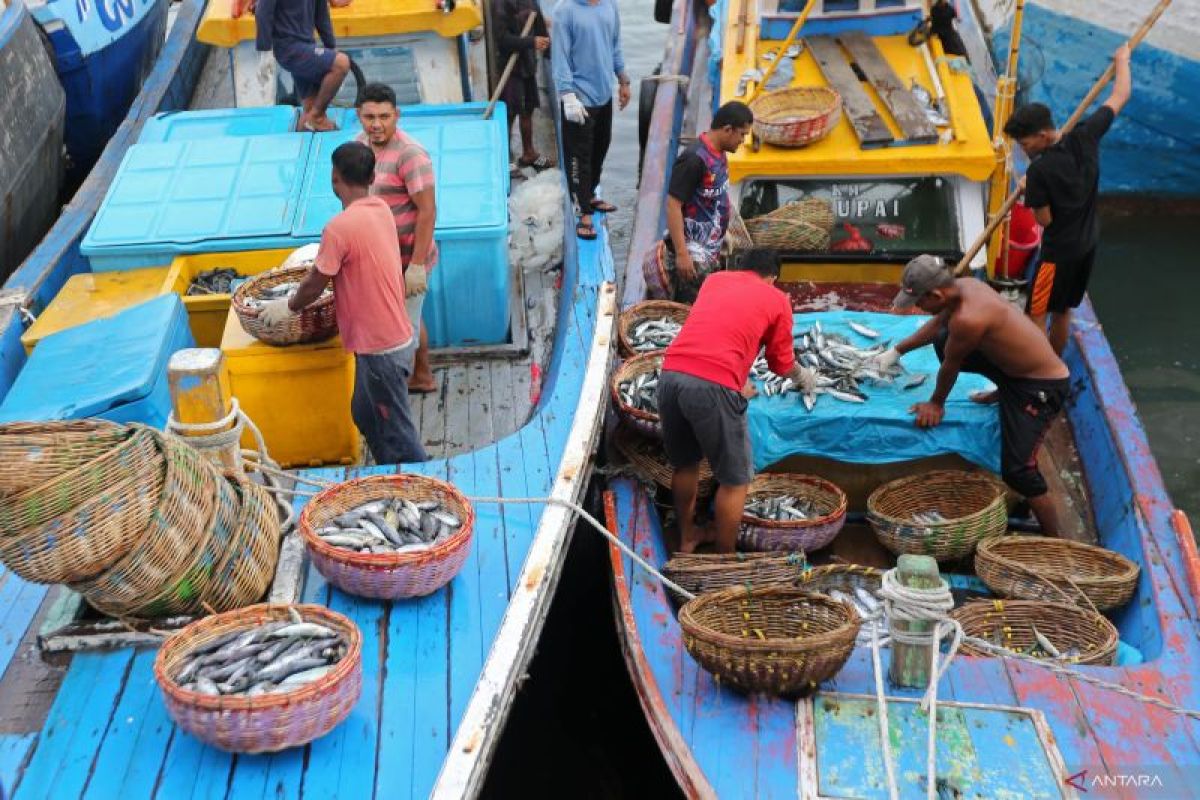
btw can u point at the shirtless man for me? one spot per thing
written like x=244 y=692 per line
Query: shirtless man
x=975 y=330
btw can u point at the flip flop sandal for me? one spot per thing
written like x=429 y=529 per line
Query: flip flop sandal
x=540 y=163
x=603 y=207
x=585 y=232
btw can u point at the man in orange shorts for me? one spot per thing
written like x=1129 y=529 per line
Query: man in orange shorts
x=1061 y=186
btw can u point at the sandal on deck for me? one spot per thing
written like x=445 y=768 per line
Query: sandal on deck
x=603 y=207
x=540 y=163
x=586 y=232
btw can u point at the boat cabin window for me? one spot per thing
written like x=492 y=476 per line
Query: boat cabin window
x=395 y=65
x=885 y=219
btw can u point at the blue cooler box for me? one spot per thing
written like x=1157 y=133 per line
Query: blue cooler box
x=113 y=368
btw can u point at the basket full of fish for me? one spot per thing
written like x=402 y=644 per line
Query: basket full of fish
x=263 y=678
x=854 y=584
x=842 y=366
x=791 y=513
x=389 y=536
x=315 y=322
x=650 y=325
x=635 y=393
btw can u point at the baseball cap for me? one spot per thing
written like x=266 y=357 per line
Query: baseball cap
x=923 y=274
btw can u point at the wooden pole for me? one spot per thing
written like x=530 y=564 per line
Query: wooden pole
x=200 y=395
x=742 y=21
x=1087 y=101
x=791 y=37
x=508 y=69
x=909 y=665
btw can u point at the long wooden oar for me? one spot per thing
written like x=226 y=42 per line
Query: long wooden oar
x=783 y=48
x=508 y=69
x=1088 y=99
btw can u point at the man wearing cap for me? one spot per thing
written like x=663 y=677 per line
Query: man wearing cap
x=974 y=329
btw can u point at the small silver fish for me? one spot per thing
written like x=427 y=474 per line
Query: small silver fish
x=863 y=330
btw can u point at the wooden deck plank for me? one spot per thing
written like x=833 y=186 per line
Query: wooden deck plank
x=480 y=431
x=519 y=520
x=62 y=762
x=899 y=100
x=14 y=750
x=457 y=409
x=1037 y=688
x=500 y=384
x=492 y=545
x=777 y=768
x=342 y=763
x=870 y=128
x=137 y=737
x=468 y=645
x=19 y=602
x=433 y=415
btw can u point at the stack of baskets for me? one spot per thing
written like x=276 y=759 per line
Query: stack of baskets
x=136 y=521
x=316 y=322
x=800 y=227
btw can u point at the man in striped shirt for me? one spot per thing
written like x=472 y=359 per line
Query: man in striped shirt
x=404 y=178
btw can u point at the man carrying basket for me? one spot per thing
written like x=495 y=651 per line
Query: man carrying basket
x=698 y=209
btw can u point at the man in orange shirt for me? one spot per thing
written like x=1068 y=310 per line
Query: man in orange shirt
x=359 y=252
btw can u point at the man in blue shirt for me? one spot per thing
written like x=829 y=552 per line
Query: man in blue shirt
x=286 y=27
x=586 y=53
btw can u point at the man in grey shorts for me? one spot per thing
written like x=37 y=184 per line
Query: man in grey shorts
x=704 y=389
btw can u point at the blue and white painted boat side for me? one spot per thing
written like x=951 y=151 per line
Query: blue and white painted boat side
x=103 y=50
x=1154 y=146
x=34 y=284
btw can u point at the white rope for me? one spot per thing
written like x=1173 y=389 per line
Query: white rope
x=881 y=703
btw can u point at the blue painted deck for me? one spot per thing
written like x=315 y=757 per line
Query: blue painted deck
x=107 y=734
x=746 y=747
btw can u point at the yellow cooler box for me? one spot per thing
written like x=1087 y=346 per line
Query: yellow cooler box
x=298 y=396
x=91 y=296
x=206 y=312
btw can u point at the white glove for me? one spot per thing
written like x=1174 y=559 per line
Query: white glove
x=886 y=360
x=573 y=109
x=275 y=313
x=266 y=67
x=806 y=381
x=416 y=280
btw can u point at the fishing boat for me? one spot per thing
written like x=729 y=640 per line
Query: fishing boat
x=1004 y=727
x=513 y=426
x=1152 y=149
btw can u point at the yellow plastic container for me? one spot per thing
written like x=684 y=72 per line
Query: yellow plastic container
x=207 y=312
x=298 y=396
x=91 y=296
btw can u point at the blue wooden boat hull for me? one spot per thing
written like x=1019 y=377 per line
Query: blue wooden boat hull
x=103 y=52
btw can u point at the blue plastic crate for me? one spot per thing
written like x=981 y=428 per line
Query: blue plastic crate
x=113 y=368
x=185 y=126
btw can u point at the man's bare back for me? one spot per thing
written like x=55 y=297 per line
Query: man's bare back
x=1008 y=338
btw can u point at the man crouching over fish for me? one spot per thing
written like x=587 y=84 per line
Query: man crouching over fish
x=976 y=330
x=360 y=252
x=704 y=389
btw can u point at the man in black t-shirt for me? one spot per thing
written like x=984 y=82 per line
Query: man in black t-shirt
x=698 y=209
x=1061 y=185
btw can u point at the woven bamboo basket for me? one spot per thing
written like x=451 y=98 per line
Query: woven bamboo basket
x=646 y=310
x=972 y=503
x=797 y=116
x=33 y=453
x=1010 y=624
x=643 y=422
x=709 y=572
x=184 y=592
x=89 y=538
x=772 y=639
x=801 y=226
x=1049 y=568
x=804 y=535
x=178 y=529
x=314 y=323
x=647 y=458
x=267 y=723
x=246 y=568
x=389 y=576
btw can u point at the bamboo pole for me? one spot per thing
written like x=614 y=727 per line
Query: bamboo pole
x=742 y=22
x=508 y=69
x=1087 y=101
x=791 y=37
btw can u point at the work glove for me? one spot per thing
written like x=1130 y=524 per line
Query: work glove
x=886 y=360
x=275 y=313
x=266 y=67
x=573 y=109
x=416 y=281
x=806 y=381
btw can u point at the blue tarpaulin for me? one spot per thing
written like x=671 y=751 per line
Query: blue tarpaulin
x=881 y=430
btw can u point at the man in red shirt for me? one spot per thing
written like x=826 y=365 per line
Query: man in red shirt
x=359 y=252
x=704 y=389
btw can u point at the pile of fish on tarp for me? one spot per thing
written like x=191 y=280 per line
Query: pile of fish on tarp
x=395 y=525
x=264 y=659
x=841 y=366
x=641 y=392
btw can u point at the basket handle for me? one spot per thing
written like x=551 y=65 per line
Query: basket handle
x=1058 y=588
